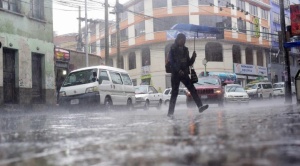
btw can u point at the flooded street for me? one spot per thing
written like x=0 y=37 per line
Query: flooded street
x=262 y=133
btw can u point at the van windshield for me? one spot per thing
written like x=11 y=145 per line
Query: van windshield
x=79 y=77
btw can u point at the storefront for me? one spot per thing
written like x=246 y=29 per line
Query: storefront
x=62 y=59
x=248 y=73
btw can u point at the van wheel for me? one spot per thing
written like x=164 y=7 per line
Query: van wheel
x=129 y=105
x=108 y=104
x=146 y=107
x=159 y=105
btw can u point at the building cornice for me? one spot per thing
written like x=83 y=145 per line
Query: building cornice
x=260 y=3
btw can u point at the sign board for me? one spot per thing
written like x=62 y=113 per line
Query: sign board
x=256 y=27
x=62 y=55
x=250 y=69
x=295 y=19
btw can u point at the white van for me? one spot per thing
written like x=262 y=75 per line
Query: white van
x=279 y=88
x=260 y=90
x=102 y=85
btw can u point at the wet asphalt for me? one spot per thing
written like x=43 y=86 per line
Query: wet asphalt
x=262 y=133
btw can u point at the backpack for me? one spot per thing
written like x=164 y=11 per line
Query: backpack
x=168 y=64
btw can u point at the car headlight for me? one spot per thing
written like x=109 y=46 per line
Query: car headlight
x=62 y=93
x=91 y=89
x=217 y=91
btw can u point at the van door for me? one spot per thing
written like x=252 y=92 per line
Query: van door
x=129 y=91
x=267 y=90
x=118 y=95
x=106 y=87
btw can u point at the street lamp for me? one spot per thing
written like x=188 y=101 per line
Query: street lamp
x=204 y=62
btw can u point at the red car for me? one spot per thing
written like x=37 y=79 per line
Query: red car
x=209 y=89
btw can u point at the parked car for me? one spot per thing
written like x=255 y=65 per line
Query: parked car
x=259 y=90
x=235 y=93
x=147 y=96
x=279 y=89
x=102 y=85
x=181 y=98
x=209 y=89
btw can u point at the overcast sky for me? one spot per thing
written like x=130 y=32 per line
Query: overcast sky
x=65 y=18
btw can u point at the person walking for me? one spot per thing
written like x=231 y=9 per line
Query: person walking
x=180 y=62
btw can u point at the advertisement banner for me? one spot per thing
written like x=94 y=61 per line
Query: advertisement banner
x=250 y=69
x=295 y=19
x=62 y=55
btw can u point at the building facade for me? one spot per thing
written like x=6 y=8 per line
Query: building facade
x=146 y=37
x=276 y=62
x=26 y=52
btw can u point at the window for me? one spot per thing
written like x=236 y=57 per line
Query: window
x=139 y=7
x=102 y=43
x=103 y=76
x=151 y=88
x=93 y=47
x=264 y=14
x=167 y=92
x=214 y=52
x=124 y=35
x=260 y=58
x=276 y=18
x=37 y=9
x=179 y=2
x=265 y=34
x=146 y=57
x=275 y=37
x=276 y=2
x=159 y=3
x=253 y=10
x=249 y=56
x=139 y=28
x=126 y=79
x=124 y=16
x=205 y=2
x=210 y=20
x=236 y=54
x=224 y=2
x=132 y=61
x=241 y=25
x=12 y=5
x=252 y=28
x=115 y=78
x=113 y=39
x=166 y=23
x=241 y=5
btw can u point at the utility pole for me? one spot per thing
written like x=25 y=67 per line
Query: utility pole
x=106 y=33
x=79 y=40
x=118 y=11
x=86 y=36
x=288 y=92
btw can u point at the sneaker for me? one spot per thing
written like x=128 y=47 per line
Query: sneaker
x=203 y=108
x=170 y=116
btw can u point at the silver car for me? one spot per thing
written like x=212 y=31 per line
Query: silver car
x=181 y=98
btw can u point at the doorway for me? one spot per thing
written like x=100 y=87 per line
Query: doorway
x=9 y=79
x=37 y=91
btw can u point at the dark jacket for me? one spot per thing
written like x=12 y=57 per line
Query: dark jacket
x=180 y=59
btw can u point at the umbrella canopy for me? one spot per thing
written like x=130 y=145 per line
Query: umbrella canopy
x=196 y=28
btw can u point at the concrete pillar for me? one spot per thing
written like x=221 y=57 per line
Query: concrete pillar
x=2 y=40
x=243 y=54
x=254 y=52
x=227 y=57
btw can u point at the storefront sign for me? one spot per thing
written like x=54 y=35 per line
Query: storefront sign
x=62 y=55
x=145 y=70
x=295 y=19
x=250 y=69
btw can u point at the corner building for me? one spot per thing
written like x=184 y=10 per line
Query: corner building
x=146 y=37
